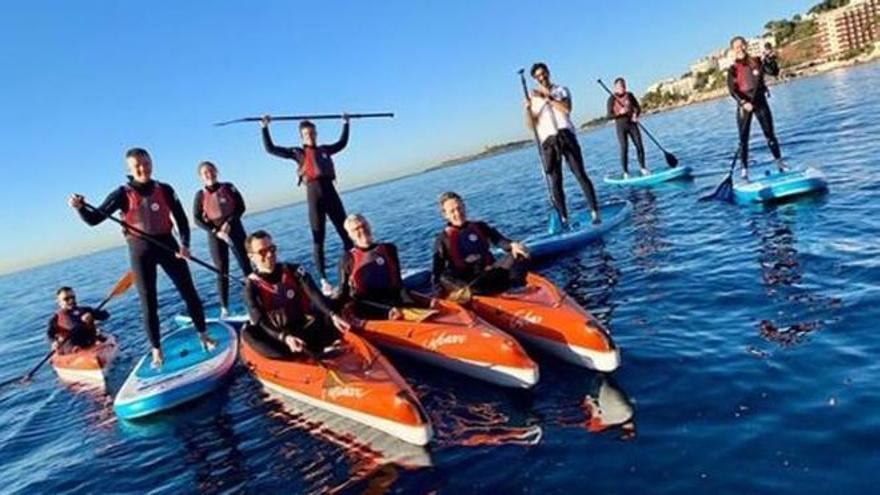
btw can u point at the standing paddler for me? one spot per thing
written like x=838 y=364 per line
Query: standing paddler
x=624 y=109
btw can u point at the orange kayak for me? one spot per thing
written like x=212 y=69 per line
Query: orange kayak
x=356 y=382
x=548 y=318
x=457 y=340
x=86 y=365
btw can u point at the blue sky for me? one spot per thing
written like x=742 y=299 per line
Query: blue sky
x=83 y=81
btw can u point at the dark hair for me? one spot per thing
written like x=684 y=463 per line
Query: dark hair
x=536 y=66
x=737 y=38
x=306 y=124
x=206 y=163
x=138 y=153
x=63 y=288
x=620 y=80
x=260 y=234
x=449 y=195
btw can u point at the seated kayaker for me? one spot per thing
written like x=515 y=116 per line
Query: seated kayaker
x=72 y=327
x=369 y=275
x=463 y=260
x=287 y=312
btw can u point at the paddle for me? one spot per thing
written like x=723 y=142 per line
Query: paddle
x=326 y=116
x=121 y=286
x=724 y=191
x=409 y=313
x=464 y=294
x=671 y=160
x=156 y=242
x=555 y=223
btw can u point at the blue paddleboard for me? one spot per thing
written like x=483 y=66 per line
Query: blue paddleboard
x=777 y=186
x=237 y=317
x=653 y=179
x=188 y=372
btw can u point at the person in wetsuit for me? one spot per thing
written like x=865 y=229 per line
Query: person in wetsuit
x=463 y=256
x=287 y=312
x=624 y=109
x=72 y=327
x=369 y=275
x=217 y=208
x=315 y=167
x=745 y=81
x=548 y=111
x=150 y=206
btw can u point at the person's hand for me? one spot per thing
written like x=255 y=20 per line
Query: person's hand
x=225 y=228
x=264 y=121
x=294 y=344
x=518 y=250
x=395 y=314
x=345 y=117
x=183 y=253
x=55 y=345
x=88 y=319
x=76 y=201
x=635 y=118
x=748 y=107
x=540 y=92
x=340 y=323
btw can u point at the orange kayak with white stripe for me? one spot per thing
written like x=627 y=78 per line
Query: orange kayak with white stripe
x=356 y=382
x=86 y=365
x=457 y=340
x=551 y=320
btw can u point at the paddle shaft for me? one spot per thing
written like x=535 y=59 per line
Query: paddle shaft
x=324 y=116
x=537 y=138
x=156 y=242
x=641 y=126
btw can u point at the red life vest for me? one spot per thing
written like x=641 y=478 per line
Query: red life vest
x=622 y=103
x=747 y=74
x=317 y=164
x=285 y=301
x=219 y=204
x=151 y=214
x=468 y=246
x=69 y=323
x=373 y=270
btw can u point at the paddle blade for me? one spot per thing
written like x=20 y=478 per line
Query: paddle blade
x=460 y=296
x=123 y=284
x=671 y=160
x=418 y=314
x=554 y=223
x=724 y=191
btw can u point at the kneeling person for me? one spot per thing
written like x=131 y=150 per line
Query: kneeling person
x=287 y=312
x=72 y=327
x=463 y=257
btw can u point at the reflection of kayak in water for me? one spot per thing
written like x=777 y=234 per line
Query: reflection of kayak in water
x=607 y=406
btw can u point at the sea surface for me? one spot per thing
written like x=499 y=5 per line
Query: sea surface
x=749 y=337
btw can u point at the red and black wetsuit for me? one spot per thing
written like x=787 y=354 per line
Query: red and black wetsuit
x=372 y=275
x=315 y=167
x=150 y=207
x=214 y=206
x=67 y=326
x=630 y=107
x=463 y=254
x=286 y=302
x=745 y=81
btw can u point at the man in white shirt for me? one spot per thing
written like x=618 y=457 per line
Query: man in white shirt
x=548 y=111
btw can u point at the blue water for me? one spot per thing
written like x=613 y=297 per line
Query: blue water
x=749 y=340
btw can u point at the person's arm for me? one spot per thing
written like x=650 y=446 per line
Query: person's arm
x=111 y=205
x=52 y=329
x=495 y=237
x=199 y=213
x=312 y=292
x=344 y=272
x=731 y=87
x=405 y=297
x=278 y=151
x=562 y=104
x=339 y=145
x=255 y=313
x=438 y=264
x=240 y=207
x=179 y=215
x=610 y=108
x=97 y=314
x=637 y=108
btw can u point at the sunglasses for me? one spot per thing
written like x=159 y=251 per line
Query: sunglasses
x=267 y=250
x=68 y=298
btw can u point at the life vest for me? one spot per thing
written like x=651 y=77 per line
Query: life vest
x=285 y=301
x=219 y=204
x=317 y=164
x=151 y=214
x=373 y=270
x=69 y=323
x=747 y=75
x=622 y=103
x=468 y=246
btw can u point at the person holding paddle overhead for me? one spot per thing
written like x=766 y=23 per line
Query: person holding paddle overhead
x=316 y=168
x=217 y=208
x=548 y=113
x=72 y=326
x=463 y=259
x=624 y=108
x=745 y=81
x=150 y=206
x=369 y=275
x=287 y=313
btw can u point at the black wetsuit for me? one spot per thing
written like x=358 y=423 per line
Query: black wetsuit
x=454 y=268
x=302 y=312
x=219 y=249
x=555 y=147
x=379 y=285
x=79 y=334
x=626 y=128
x=745 y=81
x=145 y=256
x=318 y=174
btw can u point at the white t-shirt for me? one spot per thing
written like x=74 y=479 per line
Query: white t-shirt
x=549 y=120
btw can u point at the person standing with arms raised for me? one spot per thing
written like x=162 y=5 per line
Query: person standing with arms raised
x=624 y=109
x=315 y=166
x=150 y=206
x=548 y=112
x=745 y=81
x=217 y=208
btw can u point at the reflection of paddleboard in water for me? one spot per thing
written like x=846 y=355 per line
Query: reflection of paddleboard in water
x=607 y=406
